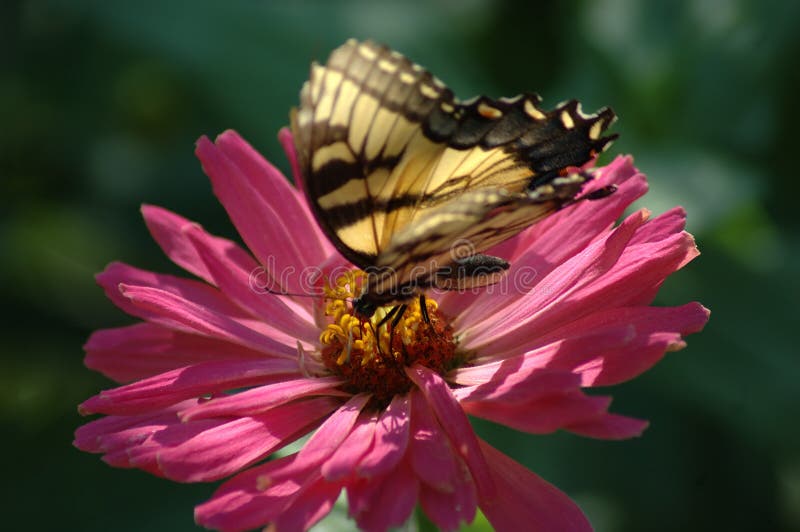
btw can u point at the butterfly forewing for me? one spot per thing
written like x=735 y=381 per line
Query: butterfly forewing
x=396 y=170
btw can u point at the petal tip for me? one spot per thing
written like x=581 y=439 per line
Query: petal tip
x=85 y=408
x=675 y=346
x=229 y=135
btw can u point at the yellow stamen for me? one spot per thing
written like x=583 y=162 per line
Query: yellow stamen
x=372 y=358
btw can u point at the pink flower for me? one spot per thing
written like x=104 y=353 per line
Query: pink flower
x=220 y=375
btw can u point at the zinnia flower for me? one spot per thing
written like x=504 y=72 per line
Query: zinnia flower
x=221 y=373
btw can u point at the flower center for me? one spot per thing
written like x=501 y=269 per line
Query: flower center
x=371 y=354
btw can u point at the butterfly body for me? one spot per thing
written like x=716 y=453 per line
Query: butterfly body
x=412 y=186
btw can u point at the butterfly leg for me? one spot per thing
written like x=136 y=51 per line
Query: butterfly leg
x=423 y=308
x=394 y=314
x=398 y=315
x=389 y=316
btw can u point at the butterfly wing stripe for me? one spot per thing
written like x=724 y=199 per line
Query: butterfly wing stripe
x=380 y=124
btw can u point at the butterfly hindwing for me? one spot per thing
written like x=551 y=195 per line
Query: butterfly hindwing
x=423 y=251
x=394 y=166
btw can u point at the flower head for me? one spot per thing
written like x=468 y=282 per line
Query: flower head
x=222 y=372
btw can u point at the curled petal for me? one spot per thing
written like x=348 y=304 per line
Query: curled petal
x=333 y=432
x=168 y=230
x=380 y=504
x=449 y=509
x=311 y=504
x=343 y=462
x=454 y=422
x=431 y=456
x=246 y=502
x=390 y=440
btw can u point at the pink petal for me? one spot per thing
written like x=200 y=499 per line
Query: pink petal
x=202 y=294
x=177 y=385
x=614 y=346
x=541 y=401
x=208 y=299
x=235 y=279
x=665 y=225
x=430 y=454
x=289 y=201
x=448 y=510
x=386 y=502
x=359 y=495
x=169 y=310
x=244 y=503
x=287 y=142
x=605 y=348
x=542 y=416
x=109 y=433
x=390 y=439
x=262 y=206
x=137 y=351
x=167 y=230
x=454 y=422
x=313 y=504
x=342 y=463
x=326 y=440
x=609 y=427
x=210 y=449
x=262 y=398
x=609 y=274
x=581 y=270
x=525 y=500
x=640 y=268
x=508 y=383
x=566 y=232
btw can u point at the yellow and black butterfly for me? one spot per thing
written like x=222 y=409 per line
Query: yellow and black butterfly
x=398 y=172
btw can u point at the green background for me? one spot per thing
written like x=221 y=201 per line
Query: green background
x=100 y=106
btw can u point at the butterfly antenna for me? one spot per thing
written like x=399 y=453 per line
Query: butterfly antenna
x=377 y=338
x=401 y=310
x=295 y=294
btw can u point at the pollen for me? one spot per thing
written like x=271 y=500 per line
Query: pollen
x=371 y=355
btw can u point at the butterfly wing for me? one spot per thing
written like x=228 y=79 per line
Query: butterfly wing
x=385 y=147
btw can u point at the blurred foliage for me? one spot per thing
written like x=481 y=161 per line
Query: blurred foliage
x=101 y=103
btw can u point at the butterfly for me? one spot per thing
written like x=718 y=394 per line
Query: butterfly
x=412 y=185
